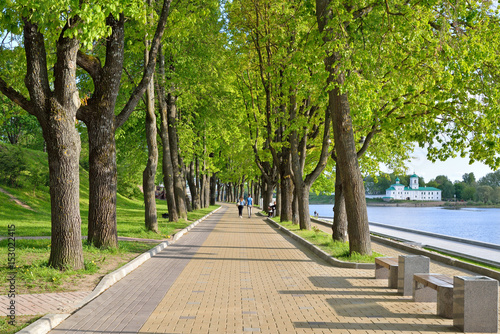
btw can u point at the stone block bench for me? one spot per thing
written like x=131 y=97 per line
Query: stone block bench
x=475 y=304
x=435 y=288
x=471 y=301
x=387 y=267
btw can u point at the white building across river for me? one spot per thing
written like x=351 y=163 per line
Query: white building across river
x=413 y=192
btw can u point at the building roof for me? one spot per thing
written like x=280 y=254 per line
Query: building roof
x=418 y=189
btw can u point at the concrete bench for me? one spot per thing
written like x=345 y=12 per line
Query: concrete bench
x=475 y=304
x=435 y=288
x=409 y=265
x=387 y=267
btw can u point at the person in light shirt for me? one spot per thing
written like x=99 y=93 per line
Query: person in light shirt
x=249 y=205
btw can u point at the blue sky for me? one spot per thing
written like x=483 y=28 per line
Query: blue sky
x=453 y=168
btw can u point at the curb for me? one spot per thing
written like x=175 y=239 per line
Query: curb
x=50 y=321
x=320 y=253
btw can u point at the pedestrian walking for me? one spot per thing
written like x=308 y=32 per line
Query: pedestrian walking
x=249 y=205
x=241 y=204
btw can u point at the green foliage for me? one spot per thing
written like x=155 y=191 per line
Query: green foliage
x=12 y=164
x=321 y=198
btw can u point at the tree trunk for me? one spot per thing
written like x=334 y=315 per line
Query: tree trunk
x=268 y=195
x=102 y=231
x=213 y=181
x=295 y=207
x=148 y=177
x=174 y=153
x=193 y=188
x=286 y=187
x=63 y=148
x=149 y=174
x=352 y=182
x=206 y=190
x=303 y=206
x=168 y=178
x=278 y=200
x=339 y=227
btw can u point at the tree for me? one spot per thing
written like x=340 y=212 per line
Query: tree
x=99 y=116
x=54 y=102
x=469 y=179
x=490 y=179
x=459 y=188
x=380 y=48
x=468 y=193
x=484 y=193
x=149 y=174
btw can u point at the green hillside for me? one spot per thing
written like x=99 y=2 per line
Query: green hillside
x=24 y=176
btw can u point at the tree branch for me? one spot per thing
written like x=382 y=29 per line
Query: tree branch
x=16 y=97
x=149 y=70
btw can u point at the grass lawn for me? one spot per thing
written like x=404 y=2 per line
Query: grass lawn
x=33 y=219
x=324 y=241
x=21 y=322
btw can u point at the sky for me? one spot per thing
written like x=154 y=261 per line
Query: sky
x=453 y=168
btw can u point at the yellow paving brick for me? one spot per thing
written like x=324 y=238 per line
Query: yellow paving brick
x=249 y=278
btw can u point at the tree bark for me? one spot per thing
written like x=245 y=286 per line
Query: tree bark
x=295 y=207
x=56 y=112
x=339 y=227
x=213 y=181
x=352 y=181
x=286 y=186
x=168 y=178
x=99 y=116
x=149 y=173
x=193 y=188
x=174 y=153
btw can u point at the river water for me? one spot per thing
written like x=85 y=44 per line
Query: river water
x=481 y=224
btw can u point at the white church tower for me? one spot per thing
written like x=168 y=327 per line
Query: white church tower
x=414 y=182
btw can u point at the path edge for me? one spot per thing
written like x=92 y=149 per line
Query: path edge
x=50 y=321
x=319 y=252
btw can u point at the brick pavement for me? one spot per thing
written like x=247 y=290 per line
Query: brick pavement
x=43 y=303
x=232 y=275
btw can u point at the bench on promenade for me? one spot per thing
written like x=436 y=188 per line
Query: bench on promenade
x=400 y=271
x=387 y=267
x=435 y=288
x=471 y=301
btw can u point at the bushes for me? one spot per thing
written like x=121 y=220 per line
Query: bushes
x=16 y=169
x=12 y=164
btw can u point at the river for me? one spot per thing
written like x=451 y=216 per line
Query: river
x=481 y=224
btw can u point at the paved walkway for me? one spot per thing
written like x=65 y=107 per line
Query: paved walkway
x=232 y=275
x=42 y=303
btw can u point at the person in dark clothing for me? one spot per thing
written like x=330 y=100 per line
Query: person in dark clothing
x=241 y=204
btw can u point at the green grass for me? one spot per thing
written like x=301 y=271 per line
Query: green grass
x=129 y=212
x=324 y=241
x=21 y=322
x=34 y=274
x=479 y=264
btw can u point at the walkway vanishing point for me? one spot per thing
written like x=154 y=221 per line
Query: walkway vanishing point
x=232 y=275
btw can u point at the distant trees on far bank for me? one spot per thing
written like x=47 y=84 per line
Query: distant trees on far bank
x=486 y=190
